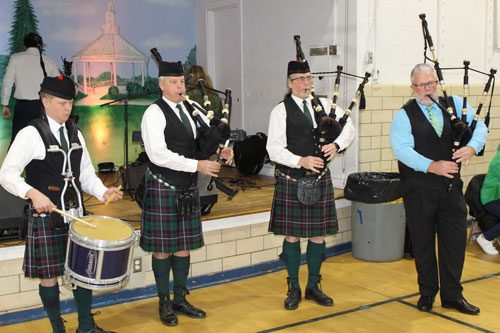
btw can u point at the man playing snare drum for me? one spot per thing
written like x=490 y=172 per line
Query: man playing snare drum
x=171 y=219
x=46 y=232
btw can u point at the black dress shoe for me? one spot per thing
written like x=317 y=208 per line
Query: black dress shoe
x=188 y=310
x=461 y=305
x=293 y=299
x=425 y=303
x=167 y=314
x=315 y=294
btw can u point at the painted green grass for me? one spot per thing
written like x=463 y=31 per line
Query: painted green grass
x=103 y=129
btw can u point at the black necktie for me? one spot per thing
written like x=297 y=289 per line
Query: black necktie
x=64 y=143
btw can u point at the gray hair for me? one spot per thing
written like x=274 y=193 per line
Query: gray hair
x=424 y=67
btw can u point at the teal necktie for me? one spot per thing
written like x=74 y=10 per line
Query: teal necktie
x=307 y=113
x=433 y=119
x=185 y=120
x=64 y=143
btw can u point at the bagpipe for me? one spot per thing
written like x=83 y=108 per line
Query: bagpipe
x=461 y=131
x=212 y=137
x=329 y=128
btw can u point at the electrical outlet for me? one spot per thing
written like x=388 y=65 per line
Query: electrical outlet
x=369 y=57
x=137 y=265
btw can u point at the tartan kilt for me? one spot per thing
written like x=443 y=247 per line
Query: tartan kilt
x=292 y=218
x=45 y=250
x=162 y=229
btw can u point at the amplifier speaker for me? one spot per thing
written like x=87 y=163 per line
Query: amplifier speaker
x=136 y=171
x=11 y=213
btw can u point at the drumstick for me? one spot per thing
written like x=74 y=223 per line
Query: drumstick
x=112 y=195
x=73 y=217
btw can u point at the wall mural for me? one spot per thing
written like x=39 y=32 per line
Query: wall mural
x=108 y=43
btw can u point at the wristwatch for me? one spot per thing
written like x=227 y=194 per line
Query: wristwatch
x=337 y=145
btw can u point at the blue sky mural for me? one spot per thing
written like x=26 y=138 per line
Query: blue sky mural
x=68 y=25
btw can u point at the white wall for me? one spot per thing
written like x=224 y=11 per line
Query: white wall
x=461 y=30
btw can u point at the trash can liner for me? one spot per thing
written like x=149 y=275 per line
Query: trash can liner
x=373 y=187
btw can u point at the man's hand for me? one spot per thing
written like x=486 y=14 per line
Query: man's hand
x=207 y=167
x=443 y=168
x=227 y=154
x=464 y=154
x=311 y=163
x=40 y=201
x=330 y=150
x=6 y=112
x=109 y=193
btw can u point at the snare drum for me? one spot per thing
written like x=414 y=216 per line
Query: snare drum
x=99 y=258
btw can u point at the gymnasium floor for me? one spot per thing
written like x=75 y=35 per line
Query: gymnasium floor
x=369 y=297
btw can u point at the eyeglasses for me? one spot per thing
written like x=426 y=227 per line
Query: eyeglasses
x=429 y=85
x=303 y=79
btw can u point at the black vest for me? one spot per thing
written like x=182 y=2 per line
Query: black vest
x=428 y=144
x=301 y=138
x=45 y=175
x=179 y=141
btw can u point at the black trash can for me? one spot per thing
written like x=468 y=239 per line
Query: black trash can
x=378 y=219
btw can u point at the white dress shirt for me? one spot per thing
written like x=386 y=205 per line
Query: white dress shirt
x=152 y=130
x=276 y=137
x=27 y=146
x=25 y=72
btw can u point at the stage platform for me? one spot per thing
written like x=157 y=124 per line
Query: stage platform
x=255 y=196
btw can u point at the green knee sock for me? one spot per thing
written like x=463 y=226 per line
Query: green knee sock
x=83 y=300
x=292 y=252
x=314 y=255
x=161 y=270
x=180 y=270
x=52 y=305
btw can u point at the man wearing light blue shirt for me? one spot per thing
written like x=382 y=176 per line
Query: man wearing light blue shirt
x=429 y=164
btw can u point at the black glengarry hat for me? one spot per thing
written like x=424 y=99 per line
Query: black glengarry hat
x=59 y=86
x=171 y=69
x=295 y=67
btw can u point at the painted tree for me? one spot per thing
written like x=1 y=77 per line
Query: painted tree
x=23 y=23
x=190 y=59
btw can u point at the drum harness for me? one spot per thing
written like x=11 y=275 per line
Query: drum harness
x=67 y=173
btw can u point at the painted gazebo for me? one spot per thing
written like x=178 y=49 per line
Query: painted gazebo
x=110 y=48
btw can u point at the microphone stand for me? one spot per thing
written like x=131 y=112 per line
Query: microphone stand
x=126 y=185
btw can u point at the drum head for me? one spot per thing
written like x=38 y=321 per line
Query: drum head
x=108 y=229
